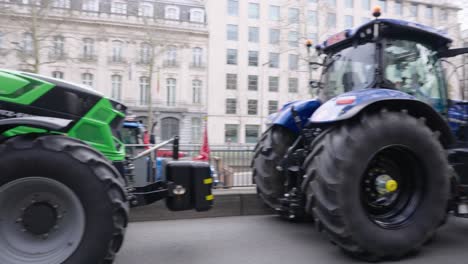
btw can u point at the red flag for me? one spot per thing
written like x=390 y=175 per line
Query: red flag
x=205 y=148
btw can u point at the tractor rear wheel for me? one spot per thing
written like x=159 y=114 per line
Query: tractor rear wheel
x=60 y=202
x=379 y=186
x=268 y=153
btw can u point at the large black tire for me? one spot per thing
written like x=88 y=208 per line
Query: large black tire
x=345 y=164
x=269 y=151
x=76 y=167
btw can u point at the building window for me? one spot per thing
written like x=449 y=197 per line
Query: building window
x=253 y=34
x=61 y=3
x=197 y=57
x=169 y=128
x=253 y=58
x=312 y=18
x=382 y=4
x=274 y=60
x=349 y=21
x=233 y=7
x=232 y=32
x=349 y=3
x=58 y=48
x=313 y=37
x=443 y=14
x=254 y=11
x=272 y=107
x=429 y=12
x=116 y=81
x=365 y=20
x=146 y=53
x=146 y=10
x=252 y=107
x=87 y=79
x=274 y=36
x=171 y=91
x=231 y=106
x=366 y=4
x=274 y=13
x=398 y=8
x=293 y=85
x=172 y=12
x=231 y=133
x=196 y=91
x=171 y=56
x=91 y=5
x=331 y=20
x=413 y=10
x=27 y=44
x=293 y=60
x=117 y=51
x=293 y=15
x=88 y=48
x=197 y=15
x=144 y=90
x=231 y=57
x=253 y=82
x=231 y=81
x=119 y=8
x=57 y=74
x=273 y=83
x=196 y=130
x=251 y=133
x=293 y=39
x=331 y=3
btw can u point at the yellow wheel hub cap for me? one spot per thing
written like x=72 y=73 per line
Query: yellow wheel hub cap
x=391 y=185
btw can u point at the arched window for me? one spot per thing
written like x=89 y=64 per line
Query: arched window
x=144 y=90
x=196 y=91
x=57 y=74
x=197 y=15
x=169 y=128
x=171 y=91
x=116 y=81
x=87 y=79
x=172 y=12
x=88 y=48
x=146 y=53
x=146 y=10
x=197 y=57
x=117 y=51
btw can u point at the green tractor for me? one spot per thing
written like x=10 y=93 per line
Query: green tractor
x=64 y=196
x=379 y=158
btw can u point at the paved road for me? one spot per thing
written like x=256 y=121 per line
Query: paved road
x=262 y=240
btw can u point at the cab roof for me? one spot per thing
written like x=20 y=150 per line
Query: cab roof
x=392 y=28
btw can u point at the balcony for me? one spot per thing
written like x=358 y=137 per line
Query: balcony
x=170 y=64
x=116 y=60
x=57 y=56
x=197 y=66
x=88 y=58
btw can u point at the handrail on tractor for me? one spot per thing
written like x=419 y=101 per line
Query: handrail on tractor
x=175 y=148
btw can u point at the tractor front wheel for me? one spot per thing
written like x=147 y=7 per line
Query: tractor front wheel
x=378 y=186
x=60 y=202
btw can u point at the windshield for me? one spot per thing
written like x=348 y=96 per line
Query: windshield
x=350 y=69
x=413 y=68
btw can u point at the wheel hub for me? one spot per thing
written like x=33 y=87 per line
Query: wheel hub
x=385 y=184
x=39 y=218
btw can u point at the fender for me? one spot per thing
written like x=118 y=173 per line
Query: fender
x=40 y=122
x=285 y=118
x=349 y=105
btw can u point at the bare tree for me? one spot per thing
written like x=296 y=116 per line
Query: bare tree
x=38 y=22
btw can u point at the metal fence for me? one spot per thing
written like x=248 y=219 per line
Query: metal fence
x=230 y=164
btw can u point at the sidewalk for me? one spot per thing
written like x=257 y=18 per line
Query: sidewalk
x=228 y=202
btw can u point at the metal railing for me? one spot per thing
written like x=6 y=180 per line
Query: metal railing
x=230 y=164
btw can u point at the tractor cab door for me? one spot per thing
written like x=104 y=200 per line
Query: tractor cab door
x=413 y=68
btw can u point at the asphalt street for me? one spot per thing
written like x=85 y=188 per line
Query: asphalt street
x=262 y=240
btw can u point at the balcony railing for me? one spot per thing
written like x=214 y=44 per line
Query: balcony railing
x=198 y=65
x=170 y=64
x=181 y=105
x=57 y=56
x=88 y=58
x=116 y=60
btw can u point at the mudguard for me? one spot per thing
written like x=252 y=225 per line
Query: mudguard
x=47 y=123
x=285 y=118
x=348 y=105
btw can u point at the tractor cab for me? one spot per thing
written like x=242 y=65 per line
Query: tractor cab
x=389 y=54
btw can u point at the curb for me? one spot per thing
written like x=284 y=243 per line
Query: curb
x=228 y=202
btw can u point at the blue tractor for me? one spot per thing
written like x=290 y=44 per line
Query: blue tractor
x=379 y=158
